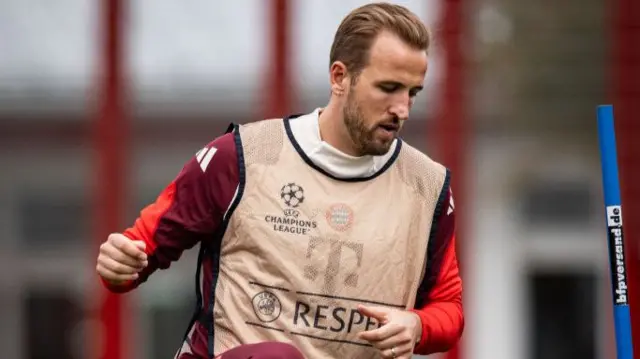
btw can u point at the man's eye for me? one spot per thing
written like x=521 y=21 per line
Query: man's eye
x=388 y=88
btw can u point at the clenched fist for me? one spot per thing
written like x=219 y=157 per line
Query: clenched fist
x=121 y=259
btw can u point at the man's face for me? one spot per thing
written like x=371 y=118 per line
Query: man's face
x=379 y=101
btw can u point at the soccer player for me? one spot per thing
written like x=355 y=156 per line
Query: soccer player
x=322 y=235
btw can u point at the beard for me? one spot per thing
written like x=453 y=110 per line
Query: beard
x=363 y=137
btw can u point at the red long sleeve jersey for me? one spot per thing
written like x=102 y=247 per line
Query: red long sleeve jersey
x=191 y=210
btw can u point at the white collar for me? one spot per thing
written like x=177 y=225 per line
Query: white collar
x=306 y=130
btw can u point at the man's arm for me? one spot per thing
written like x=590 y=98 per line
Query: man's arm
x=439 y=302
x=189 y=210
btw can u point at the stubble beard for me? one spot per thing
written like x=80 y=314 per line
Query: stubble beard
x=362 y=137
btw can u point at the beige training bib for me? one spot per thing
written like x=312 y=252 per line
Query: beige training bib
x=302 y=249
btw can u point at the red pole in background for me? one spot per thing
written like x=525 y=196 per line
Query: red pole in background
x=111 y=139
x=626 y=100
x=451 y=125
x=278 y=86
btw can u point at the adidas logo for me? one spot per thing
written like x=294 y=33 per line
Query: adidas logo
x=451 y=205
x=204 y=157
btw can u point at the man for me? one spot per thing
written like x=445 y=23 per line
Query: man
x=322 y=235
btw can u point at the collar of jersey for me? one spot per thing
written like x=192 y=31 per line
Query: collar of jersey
x=304 y=133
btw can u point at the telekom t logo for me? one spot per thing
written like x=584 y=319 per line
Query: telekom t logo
x=335 y=261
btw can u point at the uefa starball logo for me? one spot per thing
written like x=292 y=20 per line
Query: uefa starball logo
x=292 y=195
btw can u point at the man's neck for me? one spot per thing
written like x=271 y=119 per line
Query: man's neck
x=333 y=130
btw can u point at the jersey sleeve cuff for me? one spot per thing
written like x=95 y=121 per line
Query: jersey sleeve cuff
x=422 y=341
x=118 y=288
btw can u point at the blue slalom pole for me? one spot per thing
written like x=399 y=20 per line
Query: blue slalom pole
x=615 y=237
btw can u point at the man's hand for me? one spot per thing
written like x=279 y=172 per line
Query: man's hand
x=398 y=334
x=121 y=259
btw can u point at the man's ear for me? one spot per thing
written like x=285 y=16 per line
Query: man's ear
x=339 y=78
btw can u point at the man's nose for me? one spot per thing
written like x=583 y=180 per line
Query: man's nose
x=400 y=110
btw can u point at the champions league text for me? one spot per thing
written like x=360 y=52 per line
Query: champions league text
x=290 y=224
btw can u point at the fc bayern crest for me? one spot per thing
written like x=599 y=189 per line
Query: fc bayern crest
x=339 y=216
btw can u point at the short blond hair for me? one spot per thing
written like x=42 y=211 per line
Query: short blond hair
x=360 y=27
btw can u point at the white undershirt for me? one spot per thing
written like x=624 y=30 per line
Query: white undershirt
x=306 y=130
